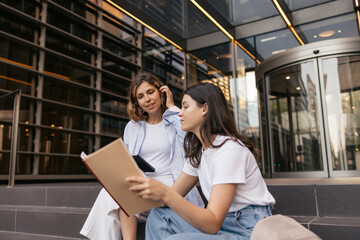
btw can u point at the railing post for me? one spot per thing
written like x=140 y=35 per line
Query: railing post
x=14 y=138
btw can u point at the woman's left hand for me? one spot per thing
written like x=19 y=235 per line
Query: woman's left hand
x=148 y=188
x=169 y=97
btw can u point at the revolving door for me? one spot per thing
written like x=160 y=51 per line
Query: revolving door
x=310 y=110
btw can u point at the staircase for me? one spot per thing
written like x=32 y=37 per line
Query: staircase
x=46 y=211
x=328 y=207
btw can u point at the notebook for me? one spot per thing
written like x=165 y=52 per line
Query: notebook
x=111 y=165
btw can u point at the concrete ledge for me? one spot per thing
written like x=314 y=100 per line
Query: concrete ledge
x=27 y=236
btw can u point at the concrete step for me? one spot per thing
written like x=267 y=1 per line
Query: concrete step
x=332 y=228
x=328 y=207
x=65 y=195
x=5 y=235
x=40 y=220
x=58 y=211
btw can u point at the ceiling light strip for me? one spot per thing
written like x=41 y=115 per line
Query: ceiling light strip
x=247 y=51
x=287 y=21
x=357 y=3
x=212 y=19
x=223 y=29
x=143 y=23
x=282 y=13
x=296 y=35
x=358 y=17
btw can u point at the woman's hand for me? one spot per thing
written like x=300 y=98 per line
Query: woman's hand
x=169 y=97
x=149 y=188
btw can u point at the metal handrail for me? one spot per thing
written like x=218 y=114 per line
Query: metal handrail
x=14 y=135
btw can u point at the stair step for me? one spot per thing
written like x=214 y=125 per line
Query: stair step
x=64 y=196
x=331 y=228
x=56 y=221
x=4 y=235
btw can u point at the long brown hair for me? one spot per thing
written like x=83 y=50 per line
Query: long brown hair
x=133 y=108
x=218 y=121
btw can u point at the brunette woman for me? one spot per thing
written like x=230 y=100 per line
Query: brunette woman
x=224 y=162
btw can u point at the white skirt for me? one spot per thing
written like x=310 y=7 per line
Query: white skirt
x=103 y=220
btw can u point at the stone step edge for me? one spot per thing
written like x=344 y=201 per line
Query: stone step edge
x=50 y=209
x=27 y=236
x=326 y=220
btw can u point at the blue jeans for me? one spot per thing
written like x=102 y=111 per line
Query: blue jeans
x=164 y=223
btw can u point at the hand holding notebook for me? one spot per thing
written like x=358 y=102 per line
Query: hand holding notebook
x=111 y=165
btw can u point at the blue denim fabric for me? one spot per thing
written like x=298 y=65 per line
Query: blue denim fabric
x=164 y=223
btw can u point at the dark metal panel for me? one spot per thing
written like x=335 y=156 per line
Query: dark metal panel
x=152 y=21
x=206 y=41
x=259 y=27
x=322 y=11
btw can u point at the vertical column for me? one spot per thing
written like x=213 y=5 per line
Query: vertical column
x=14 y=138
x=234 y=75
x=98 y=64
x=39 y=89
x=138 y=43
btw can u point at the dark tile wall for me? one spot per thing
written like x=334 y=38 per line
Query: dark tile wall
x=338 y=200
x=294 y=200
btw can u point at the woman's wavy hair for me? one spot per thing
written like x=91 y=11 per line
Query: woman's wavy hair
x=218 y=121
x=135 y=112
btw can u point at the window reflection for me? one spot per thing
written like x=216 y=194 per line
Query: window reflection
x=5 y=137
x=117 y=29
x=13 y=78
x=112 y=126
x=341 y=78
x=254 y=10
x=166 y=62
x=61 y=165
x=61 y=117
x=114 y=65
x=111 y=105
x=16 y=52
x=295 y=130
x=65 y=23
x=26 y=6
x=56 y=141
x=269 y=44
x=4 y=162
x=65 y=46
x=117 y=48
x=67 y=70
x=66 y=93
x=115 y=85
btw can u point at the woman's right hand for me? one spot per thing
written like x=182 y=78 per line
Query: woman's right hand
x=149 y=188
x=169 y=97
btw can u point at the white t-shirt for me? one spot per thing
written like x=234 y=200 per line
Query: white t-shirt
x=156 y=149
x=232 y=163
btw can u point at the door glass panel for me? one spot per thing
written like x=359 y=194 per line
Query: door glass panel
x=341 y=77
x=294 y=119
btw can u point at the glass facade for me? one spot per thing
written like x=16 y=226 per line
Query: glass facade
x=310 y=110
x=342 y=101
x=294 y=118
x=74 y=61
x=73 y=64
